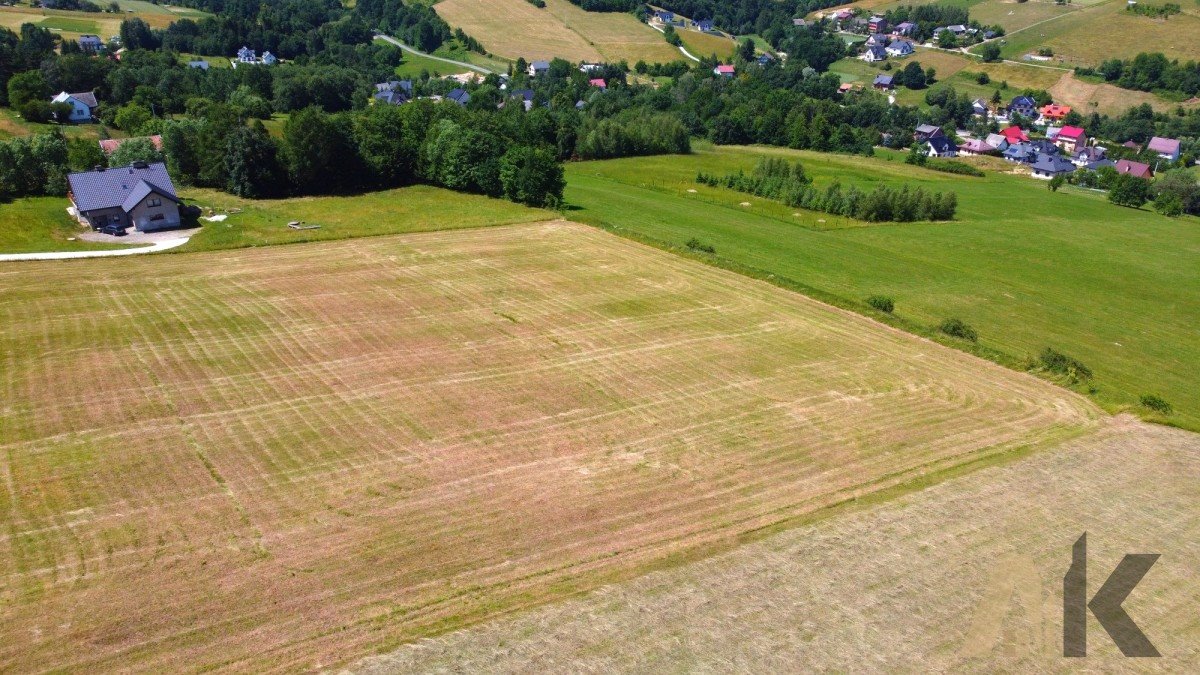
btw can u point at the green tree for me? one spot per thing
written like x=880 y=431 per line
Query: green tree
x=131 y=117
x=746 y=49
x=84 y=154
x=531 y=176
x=136 y=34
x=1056 y=182
x=1129 y=191
x=135 y=150
x=252 y=163
x=26 y=87
x=317 y=152
x=990 y=51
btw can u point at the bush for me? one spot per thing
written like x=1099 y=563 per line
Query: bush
x=950 y=166
x=882 y=303
x=1156 y=403
x=695 y=244
x=959 y=329
x=1057 y=362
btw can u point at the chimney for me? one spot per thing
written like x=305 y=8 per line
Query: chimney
x=139 y=165
x=98 y=167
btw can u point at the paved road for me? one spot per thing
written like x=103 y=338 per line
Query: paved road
x=681 y=49
x=461 y=64
x=163 y=245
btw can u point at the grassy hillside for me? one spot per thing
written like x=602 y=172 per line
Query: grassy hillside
x=1113 y=287
x=37 y=224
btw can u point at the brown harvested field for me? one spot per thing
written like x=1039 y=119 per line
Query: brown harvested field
x=515 y=28
x=965 y=576
x=290 y=457
x=1087 y=97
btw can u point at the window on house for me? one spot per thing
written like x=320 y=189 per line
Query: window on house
x=154 y=201
x=157 y=216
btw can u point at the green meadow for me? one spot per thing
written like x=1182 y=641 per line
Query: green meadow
x=1115 y=288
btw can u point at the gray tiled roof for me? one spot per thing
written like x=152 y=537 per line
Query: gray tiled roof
x=142 y=190
x=110 y=188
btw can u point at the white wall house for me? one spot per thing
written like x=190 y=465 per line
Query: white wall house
x=83 y=105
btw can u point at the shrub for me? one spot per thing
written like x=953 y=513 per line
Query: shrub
x=695 y=244
x=950 y=166
x=882 y=303
x=1057 y=362
x=1156 y=403
x=959 y=329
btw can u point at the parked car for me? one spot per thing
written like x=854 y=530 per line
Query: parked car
x=114 y=230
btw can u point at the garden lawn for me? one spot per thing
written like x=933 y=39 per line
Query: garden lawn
x=412 y=209
x=1116 y=288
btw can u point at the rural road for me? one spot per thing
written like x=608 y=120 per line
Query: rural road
x=462 y=64
x=163 y=245
x=681 y=49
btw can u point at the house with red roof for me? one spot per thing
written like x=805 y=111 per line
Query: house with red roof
x=1125 y=166
x=599 y=83
x=724 y=70
x=1071 y=139
x=1055 y=112
x=1015 y=135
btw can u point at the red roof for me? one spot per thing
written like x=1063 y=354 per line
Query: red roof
x=1134 y=168
x=598 y=82
x=1076 y=133
x=109 y=145
x=1055 y=110
x=1015 y=134
x=725 y=70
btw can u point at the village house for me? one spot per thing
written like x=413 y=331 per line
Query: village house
x=877 y=24
x=1088 y=155
x=874 y=55
x=1125 y=166
x=526 y=98
x=1020 y=152
x=83 y=105
x=703 y=25
x=924 y=132
x=905 y=29
x=1165 y=148
x=139 y=195
x=884 y=82
x=248 y=56
x=979 y=108
x=974 y=146
x=799 y=23
x=724 y=70
x=109 y=145
x=393 y=92
x=1055 y=112
x=940 y=146
x=1071 y=139
x=598 y=83
x=459 y=96
x=199 y=64
x=1015 y=135
x=1024 y=106
x=900 y=48
x=878 y=40
x=91 y=44
x=1049 y=166
x=997 y=141
x=663 y=16
x=539 y=68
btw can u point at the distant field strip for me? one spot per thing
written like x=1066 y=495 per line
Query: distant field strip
x=515 y=28
x=287 y=458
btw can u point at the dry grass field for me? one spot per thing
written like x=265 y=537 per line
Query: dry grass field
x=73 y=24
x=963 y=577
x=515 y=28
x=1104 y=98
x=287 y=458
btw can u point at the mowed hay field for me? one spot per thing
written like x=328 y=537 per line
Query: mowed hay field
x=963 y=577
x=288 y=458
x=515 y=28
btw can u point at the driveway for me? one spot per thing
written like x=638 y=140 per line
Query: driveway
x=157 y=241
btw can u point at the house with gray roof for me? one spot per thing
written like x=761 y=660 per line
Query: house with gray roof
x=459 y=96
x=1049 y=166
x=539 y=68
x=83 y=105
x=140 y=195
x=91 y=44
x=393 y=92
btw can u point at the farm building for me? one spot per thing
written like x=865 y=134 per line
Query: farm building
x=1165 y=148
x=83 y=105
x=140 y=195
